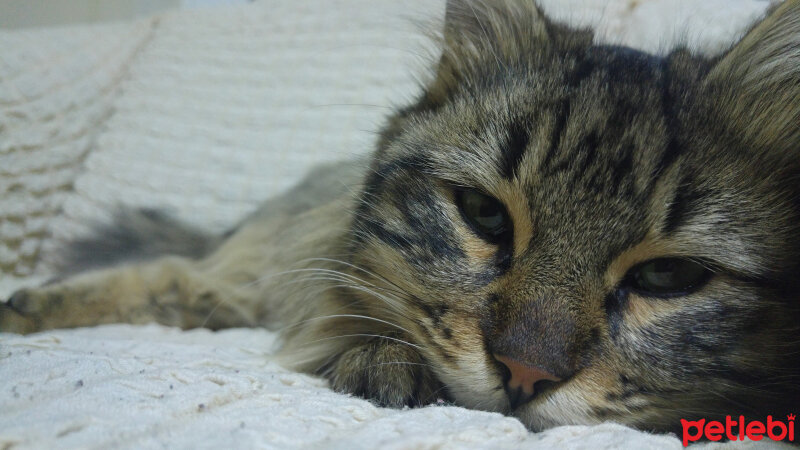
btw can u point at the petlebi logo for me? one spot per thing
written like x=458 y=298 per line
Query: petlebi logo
x=738 y=430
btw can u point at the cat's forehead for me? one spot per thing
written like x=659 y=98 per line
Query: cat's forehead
x=602 y=121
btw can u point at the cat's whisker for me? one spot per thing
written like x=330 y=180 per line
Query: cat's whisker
x=325 y=363
x=385 y=295
x=403 y=363
x=443 y=387
x=239 y=289
x=333 y=273
x=395 y=305
x=402 y=294
x=379 y=336
x=335 y=316
x=374 y=275
x=322 y=270
x=360 y=269
x=246 y=316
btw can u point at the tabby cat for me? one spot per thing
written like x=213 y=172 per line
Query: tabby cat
x=557 y=230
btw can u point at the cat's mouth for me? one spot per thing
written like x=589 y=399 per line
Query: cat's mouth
x=518 y=398
x=523 y=384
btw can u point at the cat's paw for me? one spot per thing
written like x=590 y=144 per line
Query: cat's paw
x=46 y=307
x=388 y=372
x=19 y=314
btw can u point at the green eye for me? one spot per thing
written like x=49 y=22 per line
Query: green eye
x=668 y=276
x=484 y=214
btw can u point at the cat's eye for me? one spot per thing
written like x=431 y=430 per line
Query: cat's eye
x=667 y=277
x=485 y=214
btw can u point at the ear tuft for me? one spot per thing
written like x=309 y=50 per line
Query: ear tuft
x=480 y=34
x=757 y=83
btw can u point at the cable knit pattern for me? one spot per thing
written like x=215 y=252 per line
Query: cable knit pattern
x=227 y=107
x=57 y=88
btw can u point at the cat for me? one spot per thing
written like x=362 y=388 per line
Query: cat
x=558 y=230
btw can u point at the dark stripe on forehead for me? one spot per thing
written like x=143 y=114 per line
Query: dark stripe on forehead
x=562 y=112
x=622 y=173
x=684 y=205
x=519 y=131
x=519 y=135
x=588 y=153
x=582 y=159
x=673 y=148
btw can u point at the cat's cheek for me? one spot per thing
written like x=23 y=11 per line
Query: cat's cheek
x=462 y=364
x=472 y=386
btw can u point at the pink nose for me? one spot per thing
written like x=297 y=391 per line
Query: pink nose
x=520 y=386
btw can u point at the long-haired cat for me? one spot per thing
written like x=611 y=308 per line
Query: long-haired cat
x=561 y=231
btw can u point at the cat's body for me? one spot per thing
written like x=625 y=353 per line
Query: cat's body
x=565 y=232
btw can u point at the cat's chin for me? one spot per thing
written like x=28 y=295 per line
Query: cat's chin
x=555 y=409
x=567 y=404
x=563 y=406
x=475 y=386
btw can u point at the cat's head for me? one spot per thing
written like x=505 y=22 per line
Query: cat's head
x=578 y=233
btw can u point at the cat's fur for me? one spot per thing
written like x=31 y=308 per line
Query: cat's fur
x=604 y=157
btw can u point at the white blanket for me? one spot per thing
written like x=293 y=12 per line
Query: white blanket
x=154 y=387
x=205 y=113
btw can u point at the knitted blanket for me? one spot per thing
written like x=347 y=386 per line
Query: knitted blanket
x=205 y=113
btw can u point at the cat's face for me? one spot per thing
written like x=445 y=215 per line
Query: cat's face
x=625 y=225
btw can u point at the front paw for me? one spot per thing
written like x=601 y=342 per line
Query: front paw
x=41 y=308
x=388 y=372
x=19 y=314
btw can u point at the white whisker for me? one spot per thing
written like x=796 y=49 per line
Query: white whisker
x=401 y=341
x=332 y=316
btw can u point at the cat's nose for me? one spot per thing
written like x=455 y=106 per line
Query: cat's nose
x=523 y=382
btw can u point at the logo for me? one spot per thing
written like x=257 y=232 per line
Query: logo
x=755 y=430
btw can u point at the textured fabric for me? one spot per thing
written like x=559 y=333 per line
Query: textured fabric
x=206 y=113
x=227 y=107
x=57 y=88
x=120 y=386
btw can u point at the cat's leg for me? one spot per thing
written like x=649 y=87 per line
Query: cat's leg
x=387 y=370
x=360 y=351
x=171 y=290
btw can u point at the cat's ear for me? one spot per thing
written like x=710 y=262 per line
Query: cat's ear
x=481 y=34
x=482 y=23
x=756 y=84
